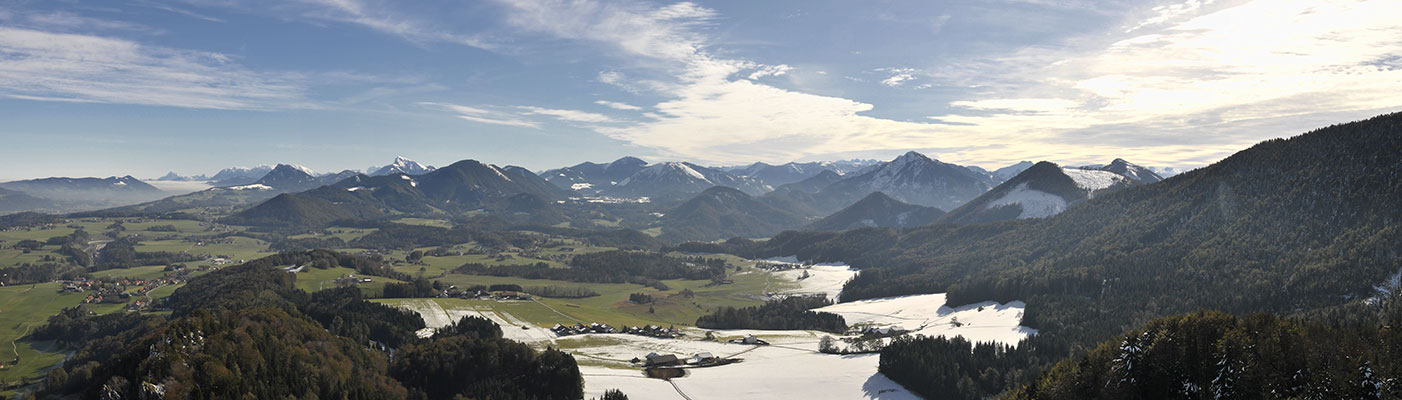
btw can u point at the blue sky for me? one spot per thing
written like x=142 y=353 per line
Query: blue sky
x=143 y=87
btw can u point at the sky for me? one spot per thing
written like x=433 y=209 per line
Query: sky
x=142 y=87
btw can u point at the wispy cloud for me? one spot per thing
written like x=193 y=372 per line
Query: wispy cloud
x=482 y=115
x=378 y=15
x=85 y=68
x=567 y=115
x=899 y=76
x=617 y=105
x=770 y=70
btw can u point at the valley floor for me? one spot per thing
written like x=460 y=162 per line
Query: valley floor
x=789 y=368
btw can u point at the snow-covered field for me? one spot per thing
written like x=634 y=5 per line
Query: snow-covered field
x=927 y=314
x=790 y=368
x=436 y=316
x=825 y=279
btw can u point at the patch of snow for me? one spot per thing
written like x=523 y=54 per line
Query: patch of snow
x=806 y=374
x=612 y=200
x=825 y=279
x=256 y=186
x=356 y=189
x=119 y=183
x=1092 y=180
x=1035 y=203
x=581 y=186
x=499 y=172
x=306 y=170
x=1386 y=289
x=927 y=314
x=436 y=316
x=405 y=177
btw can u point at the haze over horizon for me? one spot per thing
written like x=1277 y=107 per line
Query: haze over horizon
x=193 y=86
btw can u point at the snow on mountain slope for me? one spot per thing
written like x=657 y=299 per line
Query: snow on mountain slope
x=1092 y=180
x=1034 y=203
x=401 y=165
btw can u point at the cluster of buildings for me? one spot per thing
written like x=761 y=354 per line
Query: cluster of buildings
x=882 y=332
x=649 y=331
x=749 y=339
x=655 y=360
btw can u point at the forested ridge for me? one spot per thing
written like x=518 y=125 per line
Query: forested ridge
x=247 y=331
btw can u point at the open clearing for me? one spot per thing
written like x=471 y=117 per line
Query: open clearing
x=927 y=315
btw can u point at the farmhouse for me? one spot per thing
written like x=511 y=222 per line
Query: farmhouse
x=661 y=360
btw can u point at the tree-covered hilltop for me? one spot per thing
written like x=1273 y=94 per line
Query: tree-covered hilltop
x=1205 y=355
x=1214 y=355
x=247 y=331
x=792 y=313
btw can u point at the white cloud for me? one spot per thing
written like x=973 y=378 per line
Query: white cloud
x=567 y=115
x=899 y=76
x=84 y=68
x=617 y=105
x=1170 y=13
x=770 y=70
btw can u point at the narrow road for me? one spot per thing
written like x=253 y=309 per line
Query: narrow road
x=679 y=390
x=556 y=311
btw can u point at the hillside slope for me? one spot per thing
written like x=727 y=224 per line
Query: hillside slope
x=721 y=213
x=877 y=210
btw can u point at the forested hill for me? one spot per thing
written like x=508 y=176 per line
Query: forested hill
x=247 y=332
x=1307 y=224
x=1214 y=355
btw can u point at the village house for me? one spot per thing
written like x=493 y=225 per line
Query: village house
x=661 y=360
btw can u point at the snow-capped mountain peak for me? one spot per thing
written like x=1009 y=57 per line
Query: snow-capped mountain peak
x=401 y=165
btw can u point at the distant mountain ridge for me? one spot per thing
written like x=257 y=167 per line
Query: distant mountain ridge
x=235 y=176
x=877 y=210
x=591 y=178
x=463 y=186
x=911 y=178
x=680 y=180
x=783 y=174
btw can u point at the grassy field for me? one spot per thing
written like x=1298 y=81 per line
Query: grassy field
x=441 y=223
x=612 y=305
x=313 y=279
x=23 y=308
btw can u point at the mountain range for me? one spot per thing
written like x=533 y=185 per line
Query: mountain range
x=783 y=174
x=463 y=186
